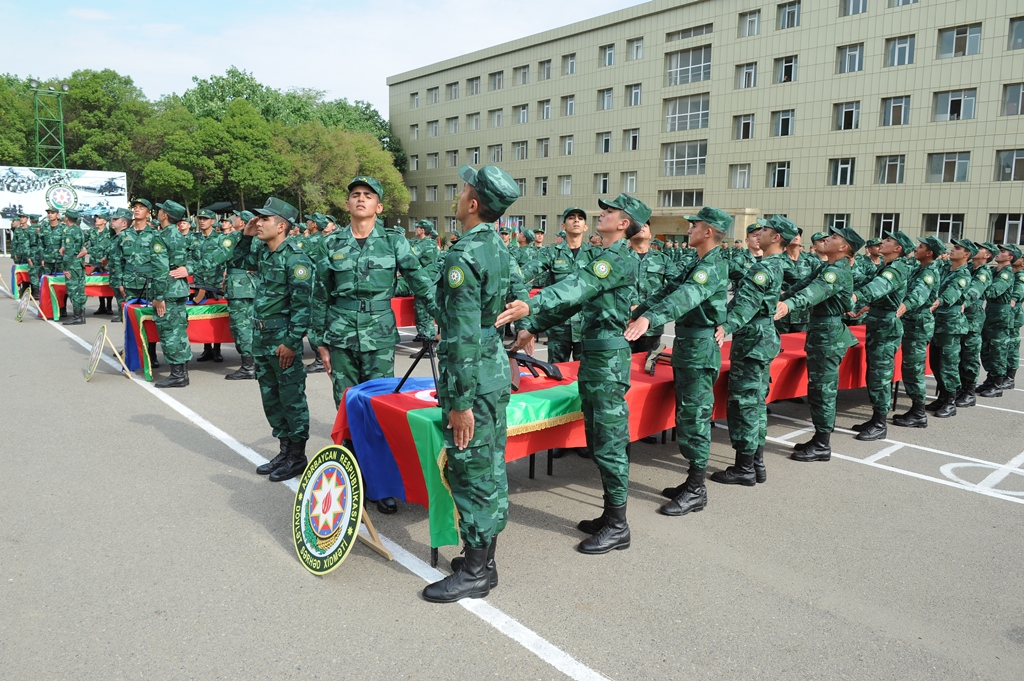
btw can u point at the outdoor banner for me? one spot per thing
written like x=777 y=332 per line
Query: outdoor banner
x=33 y=190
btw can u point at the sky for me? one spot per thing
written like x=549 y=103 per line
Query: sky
x=346 y=48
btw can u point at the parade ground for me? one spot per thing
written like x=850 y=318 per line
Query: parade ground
x=137 y=542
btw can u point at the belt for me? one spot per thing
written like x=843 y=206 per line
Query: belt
x=269 y=324
x=695 y=332
x=881 y=314
x=599 y=344
x=363 y=305
x=237 y=270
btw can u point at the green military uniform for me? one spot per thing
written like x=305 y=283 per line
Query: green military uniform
x=312 y=245
x=950 y=326
x=654 y=271
x=525 y=254
x=1013 y=361
x=426 y=252
x=970 y=344
x=864 y=270
x=52 y=238
x=919 y=327
x=19 y=241
x=168 y=251
x=206 y=269
x=73 y=265
x=35 y=252
x=240 y=290
x=996 y=334
x=794 y=272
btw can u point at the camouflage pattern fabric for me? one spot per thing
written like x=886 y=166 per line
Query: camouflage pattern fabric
x=918 y=328
x=793 y=272
x=950 y=327
x=51 y=239
x=283 y=392
x=426 y=251
x=130 y=264
x=239 y=287
x=167 y=252
x=73 y=243
x=970 y=345
x=206 y=269
x=1013 y=358
x=999 y=319
x=552 y=265
x=655 y=270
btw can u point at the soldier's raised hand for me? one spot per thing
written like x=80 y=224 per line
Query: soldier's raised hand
x=781 y=310
x=637 y=328
x=514 y=311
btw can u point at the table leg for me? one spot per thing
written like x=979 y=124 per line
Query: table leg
x=550 y=462
x=533 y=464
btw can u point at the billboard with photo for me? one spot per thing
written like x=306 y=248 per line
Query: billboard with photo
x=33 y=190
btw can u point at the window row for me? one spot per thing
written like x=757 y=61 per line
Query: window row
x=1003 y=227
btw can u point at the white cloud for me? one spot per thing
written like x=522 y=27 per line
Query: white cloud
x=87 y=14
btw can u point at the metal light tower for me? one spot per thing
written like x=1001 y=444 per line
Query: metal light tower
x=48 y=106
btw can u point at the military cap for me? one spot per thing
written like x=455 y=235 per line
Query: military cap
x=855 y=240
x=936 y=246
x=505 y=230
x=34 y=216
x=122 y=213
x=872 y=242
x=528 y=235
x=243 y=214
x=366 y=181
x=101 y=214
x=967 y=245
x=453 y=236
x=206 y=213
x=1012 y=249
x=332 y=218
x=281 y=209
x=756 y=225
x=51 y=209
x=737 y=241
x=573 y=209
x=21 y=215
x=631 y=206
x=72 y=214
x=902 y=239
x=539 y=231
x=426 y=225
x=818 y=236
x=784 y=226
x=561 y=233
x=991 y=247
x=174 y=210
x=143 y=202
x=496 y=188
x=716 y=217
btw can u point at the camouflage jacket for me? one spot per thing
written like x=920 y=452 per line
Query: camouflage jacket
x=426 y=252
x=654 y=271
x=922 y=290
x=554 y=264
x=827 y=294
x=205 y=260
x=694 y=298
x=130 y=263
x=980 y=281
x=886 y=290
x=239 y=283
x=953 y=286
x=73 y=243
x=1018 y=296
x=749 y=316
x=282 y=304
x=99 y=244
x=51 y=240
x=1000 y=291
x=864 y=270
x=168 y=251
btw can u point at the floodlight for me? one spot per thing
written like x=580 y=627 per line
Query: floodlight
x=64 y=87
x=33 y=83
x=50 y=88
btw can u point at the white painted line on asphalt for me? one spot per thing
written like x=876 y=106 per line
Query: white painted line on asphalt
x=997 y=476
x=884 y=453
x=795 y=433
x=535 y=643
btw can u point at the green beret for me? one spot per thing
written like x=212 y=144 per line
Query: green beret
x=716 y=217
x=967 y=245
x=174 y=210
x=855 y=240
x=573 y=209
x=633 y=207
x=370 y=182
x=902 y=239
x=936 y=246
x=207 y=213
x=494 y=186
x=280 y=208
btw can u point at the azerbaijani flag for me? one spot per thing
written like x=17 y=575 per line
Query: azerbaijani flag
x=207 y=323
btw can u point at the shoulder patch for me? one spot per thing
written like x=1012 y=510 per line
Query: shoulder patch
x=961 y=282
x=929 y=279
x=982 y=278
x=226 y=243
x=157 y=247
x=300 y=272
x=887 y=274
x=338 y=256
x=602 y=269
x=760 y=278
x=1004 y=275
x=700 y=276
x=831 y=277
x=456 y=277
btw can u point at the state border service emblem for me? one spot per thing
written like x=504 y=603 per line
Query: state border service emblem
x=328 y=510
x=760 y=278
x=456 y=277
x=700 y=276
x=831 y=277
x=602 y=269
x=301 y=272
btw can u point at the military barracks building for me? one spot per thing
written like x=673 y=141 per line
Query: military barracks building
x=871 y=113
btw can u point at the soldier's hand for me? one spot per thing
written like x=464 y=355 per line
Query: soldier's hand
x=853 y=297
x=250 y=227
x=524 y=341
x=461 y=422
x=160 y=307
x=81 y=253
x=934 y=306
x=285 y=356
x=179 y=273
x=514 y=311
x=121 y=289
x=637 y=328
x=325 y=358
x=781 y=310
x=720 y=336
x=901 y=310
x=66 y=275
x=61 y=251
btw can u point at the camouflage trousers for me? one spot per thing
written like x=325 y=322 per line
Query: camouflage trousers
x=996 y=338
x=884 y=334
x=75 y=286
x=173 y=330
x=560 y=345
x=1013 y=359
x=240 y=321
x=747 y=410
x=120 y=302
x=824 y=355
x=35 y=273
x=424 y=322
x=970 y=351
x=917 y=334
x=476 y=474
x=283 y=392
x=352 y=367
x=944 y=356
x=695 y=369
x=606 y=423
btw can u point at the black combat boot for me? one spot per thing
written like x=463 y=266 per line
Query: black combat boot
x=316 y=367
x=594 y=526
x=1008 y=382
x=673 y=492
x=947 y=408
x=207 y=353
x=294 y=465
x=614 y=536
x=875 y=429
x=64 y=312
x=77 y=318
x=740 y=473
x=282 y=455
x=247 y=372
x=991 y=387
x=102 y=309
x=217 y=357
x=152 y=355
x=760 y=472
x=492 y=568
x=917 y=417
x=692 y=499
x=177 y=379
x=472 y=580
x=818 y=449
x=966 y=396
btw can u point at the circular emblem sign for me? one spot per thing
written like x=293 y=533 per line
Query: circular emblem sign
x=97 y=352
x=328 y=510
x=23 y=304
x=455 y=277
x=62 y=197
x=602 y=269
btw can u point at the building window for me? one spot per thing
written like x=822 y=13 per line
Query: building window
x=949 y=167
x=519 y=151
x=452 y=90
x=473 y=154
x=521 y=183
x=837 y=220
x=569 y=64
x=746 y=76
x=414 y=100
x=473 y=121
x=565 y=185
x=945 y=226
x=750 y=23
x=778 y=174
x=544 y=70
x=604 y=142
x=414 y=194
x=566 y=143
x=629 y=182
x=414 y=162
x=604 y=99
x=635 y=49
x=955 y=105
x=688 y=66
x=1016 y=41
x=633 y=94
x=542 y=186
x=601 y=184
x=785 y=69
x=846 y=116
x=631 y=139
x=851 y=7
x=606 y=55
x=743 y=127
x=783 y=123
x=453 y=125
x=495 y=116
x=432 y=129
x=960 y=41
x=496 y=80
x=899 y=51
x=432 y=192
x=1007 y=228
x=494 y=153
x=689 y=32
x=451 y=221
x=543 y=148
x=1010 y=165
x=541 y=221
x=840 y=171
x=434 y=95
x=520 y=114
x=789 y=15
x=685 y=158
x=884 y=222
x=901 y=3
x=1013 y=99
x=850 y=58
x=544 y=109
x=739 y=176
x=449 y=192
x=890 y=169
x=521 y=75
x=896 y=111
x=680 y=198
x=452 y=158
x=414 y=132
x=569 y=105
x=473 y=85
x=433 y=161
x=687 y=113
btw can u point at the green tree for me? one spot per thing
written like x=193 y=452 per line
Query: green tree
x=15 y=121
x=255 y=167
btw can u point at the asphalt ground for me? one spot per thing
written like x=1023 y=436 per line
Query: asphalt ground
x=135 y=544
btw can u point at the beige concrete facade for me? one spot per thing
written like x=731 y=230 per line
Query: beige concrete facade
x=971 y=49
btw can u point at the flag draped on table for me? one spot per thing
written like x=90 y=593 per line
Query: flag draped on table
x=207 y=323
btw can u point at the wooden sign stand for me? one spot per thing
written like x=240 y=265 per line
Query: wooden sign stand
x=372 y=539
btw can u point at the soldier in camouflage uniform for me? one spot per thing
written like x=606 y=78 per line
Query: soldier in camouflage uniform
x=207 y=270
x=525 y=253
x=829 y=297
x=696 y=299
x=740 y=259
x=169 y=290
x=974 y=311
x=425 y=249
x=474 y=380
x=999 y=319
x=312 y=245
x=98 y=243
x=239 y=289
x=865 y=267
x=797 y=266
x=950 y=326
x=51 y=238
x=1018 y=297
x=72 y=262
x=280 y=318
x=119 y=221
x=880 y=298
x=755 y=343
x=655 y=270
x=605 y=291
x=918 y=328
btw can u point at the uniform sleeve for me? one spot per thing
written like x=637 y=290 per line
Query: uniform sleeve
x=920 y=292
x=817 y=291
x=159 y=266
x=700 y=285
x=1018 y=287
x=755 y=286
x=557 y=303
x=954 y=290
x=409 y=265
x=462 y=311
x=882 y=285
x=976 y=291
x=1000 y=284
x=537 y=269
x=301 y=278
x=115 y=263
